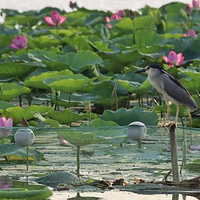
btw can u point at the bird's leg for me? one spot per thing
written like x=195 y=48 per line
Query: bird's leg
x=176 y=119
x=166 y=118
x=168 y=111
x=177 y=112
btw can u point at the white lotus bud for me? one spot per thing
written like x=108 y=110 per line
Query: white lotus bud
x=24 y=137
x=136 y=131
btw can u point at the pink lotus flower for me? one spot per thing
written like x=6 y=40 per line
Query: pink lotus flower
x=195 y=3
x=107 y=22
x=115 y=16
x=19 y=42
x=4 y=123
x=195 y=148
x=190 y=33
x=121 y=13
x=173 y=59
x=55 y=19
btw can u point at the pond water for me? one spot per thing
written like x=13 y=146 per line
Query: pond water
x=118 y=158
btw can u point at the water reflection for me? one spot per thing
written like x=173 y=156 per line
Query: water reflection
x=5 y=182
x=78 y=197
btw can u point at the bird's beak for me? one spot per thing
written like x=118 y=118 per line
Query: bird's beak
x=141 y=71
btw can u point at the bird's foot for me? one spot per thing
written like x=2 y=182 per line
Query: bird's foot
x=166 y=126
x=169 y=124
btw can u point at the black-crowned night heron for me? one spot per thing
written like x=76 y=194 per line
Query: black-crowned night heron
x=170 y=88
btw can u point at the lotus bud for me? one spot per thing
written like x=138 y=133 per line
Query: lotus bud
x=24 y=137
x=131 y=14
x=136 y=131
x=189 y=9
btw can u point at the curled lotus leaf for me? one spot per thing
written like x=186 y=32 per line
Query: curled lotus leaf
x=10 y=91
x=68 y=84
x=37 y=81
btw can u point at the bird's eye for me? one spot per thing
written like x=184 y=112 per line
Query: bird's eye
x=147 y=67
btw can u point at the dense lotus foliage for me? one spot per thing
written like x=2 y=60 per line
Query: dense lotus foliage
x=67 y=68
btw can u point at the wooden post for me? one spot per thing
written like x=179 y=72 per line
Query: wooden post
x=174 y=156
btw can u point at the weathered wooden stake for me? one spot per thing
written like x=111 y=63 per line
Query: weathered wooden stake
x=174 y=156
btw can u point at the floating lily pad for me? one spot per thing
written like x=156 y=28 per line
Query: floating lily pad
x=17 y=153
x=56 y=178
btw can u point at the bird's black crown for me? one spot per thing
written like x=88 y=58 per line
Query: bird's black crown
x=156 y=66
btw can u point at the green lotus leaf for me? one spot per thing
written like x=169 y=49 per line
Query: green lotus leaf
x=15 y=152
x=57 y=65
x=191 y=82
x=140 y=85
x=155 y=51
x=195 y=123
x=125 y=40
x=7 y=32
x=77 y=18
x=124 y=57
x=4 y=105
x=173 y=11
x=27 y=113
x=124 y=117
x=142 y=22
x=149 y=38
x=130 y=86
x=78 y=138
x=22 y=20
x=64 y=32
x=80 y=61
x=182 y=113
x=42 y=42
x=43 y=54
x=10 y=91
x=18 y=70
x=100 y=123
x=68 y=84
x=188 y=46
x=101 y=47
x=81 y=42
x=66 y=116
x=37 y=81
x=78 y=97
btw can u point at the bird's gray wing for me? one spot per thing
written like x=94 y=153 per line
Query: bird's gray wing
x=177 y=91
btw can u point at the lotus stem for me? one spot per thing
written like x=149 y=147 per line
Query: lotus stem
x=114 y=96
x=78 y=162
x=139 y=144
x=20 y=101
x=133 y=31
x=70 y=96
x=57 y=100
x=57 y=30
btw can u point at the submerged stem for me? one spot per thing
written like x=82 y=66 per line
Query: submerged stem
x=27 y=162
